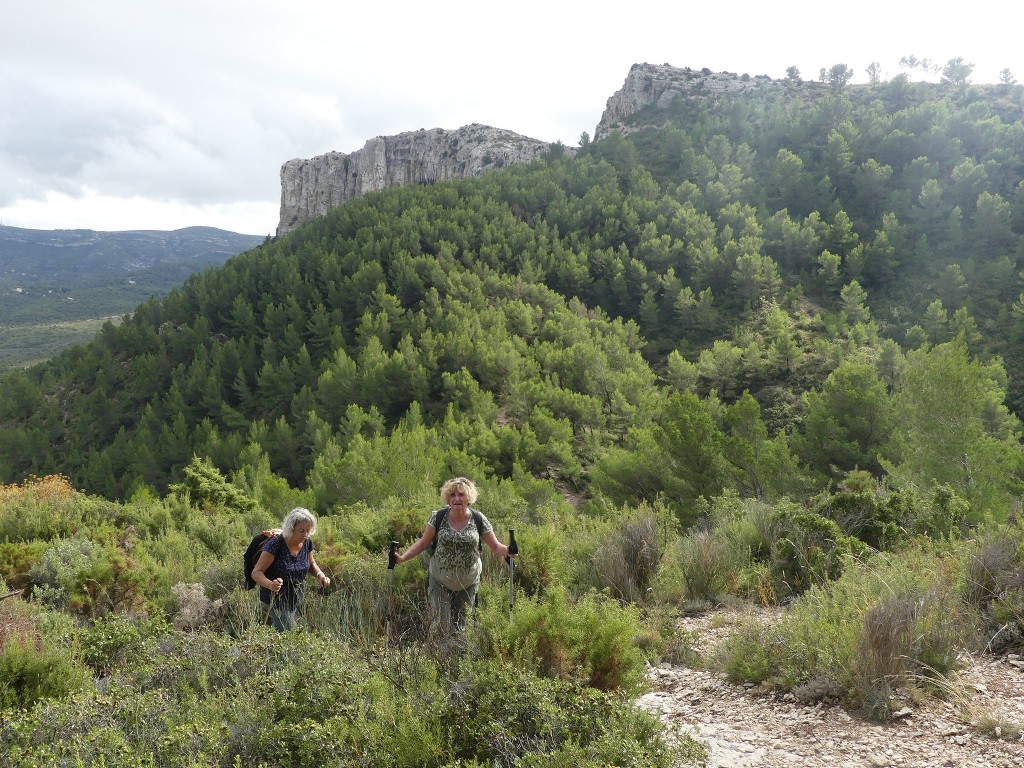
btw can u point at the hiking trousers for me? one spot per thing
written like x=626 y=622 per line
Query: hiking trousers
x=450 y=607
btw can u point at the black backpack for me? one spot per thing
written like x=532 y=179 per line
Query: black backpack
x=252 y=554
x=442 y=514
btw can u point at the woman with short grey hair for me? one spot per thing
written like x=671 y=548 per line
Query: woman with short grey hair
x=284 y=561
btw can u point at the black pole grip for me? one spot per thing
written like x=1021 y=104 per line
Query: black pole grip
x=513 y=546
x=392 y=555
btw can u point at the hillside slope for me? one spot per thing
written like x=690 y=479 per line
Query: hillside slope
x=57 y=287
x=799 y=254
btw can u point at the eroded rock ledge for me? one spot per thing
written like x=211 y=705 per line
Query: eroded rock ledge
x=310 y=188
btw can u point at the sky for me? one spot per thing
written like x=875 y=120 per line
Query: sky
x=148 y=114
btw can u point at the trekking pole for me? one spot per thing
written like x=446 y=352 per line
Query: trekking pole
x=513 y=549
x=392 y=557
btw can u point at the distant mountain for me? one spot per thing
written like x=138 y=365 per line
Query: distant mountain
x=36 y=255
x=58 y=287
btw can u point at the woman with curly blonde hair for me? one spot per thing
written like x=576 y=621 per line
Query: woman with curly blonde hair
x=457 y=532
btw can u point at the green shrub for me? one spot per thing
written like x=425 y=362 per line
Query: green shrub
x=508 y=716
x=994 y=585
x=542 y=560
x=40 y=508
x=58 y=574
x=882 y=625
x=886 y=521
x=748 y=526
x=32 y=667
x=812 y=551
x=628 y=561
x=706 y=563
x=864 y=515
x=29 y=672
x=88 y=578
x=749 y=654
x=591 y=639
x=17 y=559
x=357 y=606
x=112 y=641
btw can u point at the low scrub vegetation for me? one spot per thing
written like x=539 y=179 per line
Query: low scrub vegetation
x=137 y=644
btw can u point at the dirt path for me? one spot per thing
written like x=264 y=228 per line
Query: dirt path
x=744 y=728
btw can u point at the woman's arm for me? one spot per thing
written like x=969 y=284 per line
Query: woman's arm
x=420 y=544
x=259 y=573
x=497 y=548
x=320 y=576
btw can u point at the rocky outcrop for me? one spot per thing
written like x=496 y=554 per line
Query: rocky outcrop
x=656 y=85
x=310 y=188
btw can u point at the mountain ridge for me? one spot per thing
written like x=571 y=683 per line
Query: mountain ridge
x=33 y=255
x=311 y=187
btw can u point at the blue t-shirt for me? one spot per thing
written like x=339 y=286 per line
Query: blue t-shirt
x=291 y=568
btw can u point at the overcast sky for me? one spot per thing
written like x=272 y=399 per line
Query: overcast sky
x=148 y=114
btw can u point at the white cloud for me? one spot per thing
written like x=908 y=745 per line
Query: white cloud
x=91 y=210
x=118 y=110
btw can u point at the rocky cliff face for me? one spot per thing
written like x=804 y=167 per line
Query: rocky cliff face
x=656 y=85
x=310 y=188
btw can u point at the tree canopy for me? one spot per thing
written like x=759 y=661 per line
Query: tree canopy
x=790 y=277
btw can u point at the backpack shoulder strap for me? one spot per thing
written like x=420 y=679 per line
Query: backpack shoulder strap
x=478 y=518
x=442 y=513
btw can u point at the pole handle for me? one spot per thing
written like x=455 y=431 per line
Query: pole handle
x=392 y=554
x=513 y=545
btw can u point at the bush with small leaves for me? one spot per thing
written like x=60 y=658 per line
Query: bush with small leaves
x=32 y=667
x=110 y=642
x=508 y=716
x=883 y=625
x=813 y=551
x=994 y=585
x=591 y=638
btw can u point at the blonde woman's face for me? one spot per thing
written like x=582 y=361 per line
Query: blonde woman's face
x=457 y=498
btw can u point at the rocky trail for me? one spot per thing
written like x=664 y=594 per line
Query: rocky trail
x=743 y=727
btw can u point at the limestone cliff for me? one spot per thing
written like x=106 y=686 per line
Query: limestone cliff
x=656 y=85
x=310 y=188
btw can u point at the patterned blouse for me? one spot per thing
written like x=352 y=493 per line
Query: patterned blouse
x=456 y=561
x=291 y=568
